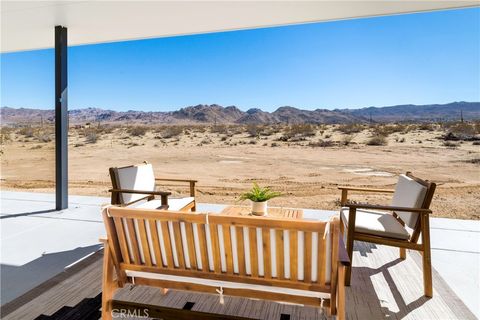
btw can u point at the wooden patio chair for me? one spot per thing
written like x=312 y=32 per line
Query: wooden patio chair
x=398 y=225
x=135 y=186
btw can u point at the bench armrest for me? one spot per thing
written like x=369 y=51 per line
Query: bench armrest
x=389 y=208
x=366 y=189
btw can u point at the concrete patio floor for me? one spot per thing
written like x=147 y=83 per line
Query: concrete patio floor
x=38 y=242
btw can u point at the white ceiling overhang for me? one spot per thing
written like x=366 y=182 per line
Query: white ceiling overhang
x=28 y=25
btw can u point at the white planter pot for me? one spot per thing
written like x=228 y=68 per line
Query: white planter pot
x=259 y=208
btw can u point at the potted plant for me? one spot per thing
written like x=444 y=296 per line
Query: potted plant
x=259 y=197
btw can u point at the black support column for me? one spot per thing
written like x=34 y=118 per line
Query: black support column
x=61 y=119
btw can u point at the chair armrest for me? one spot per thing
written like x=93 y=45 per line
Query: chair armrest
x=157 y=193
x=103 y=239
x=389 y=208
x=191 y=182
x=342 y=253
x=366 y=189
x=176 y=180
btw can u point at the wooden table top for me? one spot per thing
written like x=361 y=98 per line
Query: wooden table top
x=279 y=212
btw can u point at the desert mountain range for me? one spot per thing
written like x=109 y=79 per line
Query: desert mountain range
x=204 y=114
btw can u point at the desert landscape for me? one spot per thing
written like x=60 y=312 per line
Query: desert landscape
x=304 y=161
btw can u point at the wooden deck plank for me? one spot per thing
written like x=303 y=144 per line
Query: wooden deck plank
x=382 y=286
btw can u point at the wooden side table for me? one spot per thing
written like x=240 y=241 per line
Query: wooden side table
x=277 y=212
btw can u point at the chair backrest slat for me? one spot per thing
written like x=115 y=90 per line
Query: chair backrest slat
x=258 y=248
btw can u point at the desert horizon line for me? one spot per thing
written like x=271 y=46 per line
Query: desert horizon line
x=242 y=108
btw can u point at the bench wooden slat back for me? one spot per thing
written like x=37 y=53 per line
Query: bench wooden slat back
x=262 y=248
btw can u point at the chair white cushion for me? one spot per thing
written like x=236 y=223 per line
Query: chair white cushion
x=411 y=194
x=152 y=204
x=376 y=223
x=139 y=177
x=176 y=204
x=173 y=204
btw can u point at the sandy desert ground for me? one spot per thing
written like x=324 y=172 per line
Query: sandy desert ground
x=306 y=164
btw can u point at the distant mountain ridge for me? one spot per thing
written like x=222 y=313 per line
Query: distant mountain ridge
x=205 y=114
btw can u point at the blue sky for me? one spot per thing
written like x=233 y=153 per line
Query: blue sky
x=417 y=58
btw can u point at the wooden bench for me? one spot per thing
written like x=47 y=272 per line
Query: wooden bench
x=290 y=260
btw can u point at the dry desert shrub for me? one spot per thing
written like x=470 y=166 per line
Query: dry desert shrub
x=253 y=130
x=43 y=136
x=461 y=131
x=27 y=132
x=91 y=135
x=321 y=143
x=298 y=132
x=377 y=140
x=350 y=128
x=347 y=139
x=219 y=128
x=451 y=144
x=172 y=131
x=137 y=131
x=5 y=134
x=426 y=127
x=387 y=129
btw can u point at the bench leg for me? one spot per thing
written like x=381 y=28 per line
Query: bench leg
x=403 y=253
x=341 y=293
x=108 y=287
x=348 y=270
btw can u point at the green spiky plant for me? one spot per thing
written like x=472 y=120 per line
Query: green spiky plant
x=259 y=194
